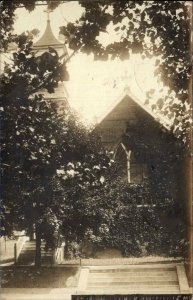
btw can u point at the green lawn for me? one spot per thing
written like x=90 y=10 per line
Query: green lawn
x=43 y=277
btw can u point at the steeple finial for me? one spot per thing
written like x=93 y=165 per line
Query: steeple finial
x=48 y=11
x=48 y=39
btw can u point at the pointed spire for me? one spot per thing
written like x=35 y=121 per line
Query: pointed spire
x=48 y=38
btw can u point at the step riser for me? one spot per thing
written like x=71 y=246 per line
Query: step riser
x=33 y=249
x=33 y=253
x=128 y=288
x=134 y=286
x=133 y=291
x=126 y=270
x=131 y=275
x=134 y=283
x=135 y=279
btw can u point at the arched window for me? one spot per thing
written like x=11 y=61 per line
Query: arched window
x=128 y=167
x=121 y=159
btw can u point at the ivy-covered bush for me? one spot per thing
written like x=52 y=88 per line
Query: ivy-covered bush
x=72 y=250
x=129 y=218
x=138 y=219
x=143 y=225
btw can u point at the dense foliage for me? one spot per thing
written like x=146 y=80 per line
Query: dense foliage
x=153 y=29
x=143 y=222
x=55 y=174
x=38 y=143
x=150 y=216
x=129 y=218
x=7 y=10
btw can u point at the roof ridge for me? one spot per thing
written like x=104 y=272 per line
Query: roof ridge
x=127 y=92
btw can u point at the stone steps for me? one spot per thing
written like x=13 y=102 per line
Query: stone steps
x=27 y=255
x=147 y=279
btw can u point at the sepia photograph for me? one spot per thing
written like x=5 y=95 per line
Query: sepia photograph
x=96 y=150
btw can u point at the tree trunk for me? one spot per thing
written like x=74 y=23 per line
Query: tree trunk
x=66 y=250
x=38 y=247
x=31 y=232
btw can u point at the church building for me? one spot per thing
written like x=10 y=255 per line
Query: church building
x=144 y=150
x=146 y=154
x=134 y=133
x=126 y=112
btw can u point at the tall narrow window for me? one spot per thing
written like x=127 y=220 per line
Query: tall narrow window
x=122 y=162
x=128 y=167
x=138 y=171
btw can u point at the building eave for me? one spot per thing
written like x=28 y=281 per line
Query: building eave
x=127 y=93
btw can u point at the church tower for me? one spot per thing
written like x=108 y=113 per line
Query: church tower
x=49 y=40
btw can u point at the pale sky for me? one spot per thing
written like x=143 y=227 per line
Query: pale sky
x=93 y=86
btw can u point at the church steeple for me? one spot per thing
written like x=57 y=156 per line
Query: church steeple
x=49 y=40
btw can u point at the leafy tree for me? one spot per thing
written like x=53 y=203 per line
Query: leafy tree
x=28 y=146
x=7 y=10
x=79 y=183
x=38 y=141
x=151 y=28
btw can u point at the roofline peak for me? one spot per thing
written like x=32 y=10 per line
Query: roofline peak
x=48 y=38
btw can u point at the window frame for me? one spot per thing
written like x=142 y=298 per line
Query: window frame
x=129 y=163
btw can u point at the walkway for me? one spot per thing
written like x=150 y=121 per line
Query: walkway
x=121 y=261
x=37 y=294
